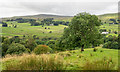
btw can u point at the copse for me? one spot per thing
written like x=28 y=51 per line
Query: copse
x=82 y=31
x=16 y=48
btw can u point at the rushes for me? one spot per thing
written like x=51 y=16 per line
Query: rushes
x=37 y=62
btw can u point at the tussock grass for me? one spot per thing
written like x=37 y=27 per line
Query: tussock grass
x=35 y=62
x=104 y=64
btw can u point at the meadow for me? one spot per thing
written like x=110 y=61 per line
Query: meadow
x=57 y=31
x=26 y=29
x=70 y=60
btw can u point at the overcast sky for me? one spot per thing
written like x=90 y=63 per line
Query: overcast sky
x=9 y=8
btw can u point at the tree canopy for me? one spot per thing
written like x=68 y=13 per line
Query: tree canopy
x=82 y=31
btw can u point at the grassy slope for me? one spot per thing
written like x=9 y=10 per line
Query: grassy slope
x=79 y=62
x=106 y=17
x=112 y=27
x=26 y=29
x=76 y=63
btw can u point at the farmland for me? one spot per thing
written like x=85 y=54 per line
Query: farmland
x=43 y=42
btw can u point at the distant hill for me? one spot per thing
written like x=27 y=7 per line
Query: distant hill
x=45 y=15
x=42 y=16
x=104 y=17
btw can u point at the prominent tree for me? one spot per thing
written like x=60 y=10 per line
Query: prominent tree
x=82 y=31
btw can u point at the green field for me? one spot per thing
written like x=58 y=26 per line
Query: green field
x=113 y=27
x=75 y=60
x=26 y=29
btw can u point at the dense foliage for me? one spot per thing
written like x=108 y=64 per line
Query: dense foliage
x=111 y=42
x=82 y=32
x=16 y=48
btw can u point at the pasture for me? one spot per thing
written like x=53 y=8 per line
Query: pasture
x=26 y=29
x=73 y=60
x=57 y=31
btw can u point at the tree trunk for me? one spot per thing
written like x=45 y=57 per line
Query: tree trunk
x=92 y=46
x=82 y=49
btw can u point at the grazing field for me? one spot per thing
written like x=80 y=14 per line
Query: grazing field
x=73 y=60
x=106 y=17
x=113 y=27
x=57 y=31
x=26 y=29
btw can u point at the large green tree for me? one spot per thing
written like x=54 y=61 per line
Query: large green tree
x=82 y=31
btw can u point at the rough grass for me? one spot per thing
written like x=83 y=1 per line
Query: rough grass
x=77 y=60
x=103 y=64
x=34 y=62
x=68 y=60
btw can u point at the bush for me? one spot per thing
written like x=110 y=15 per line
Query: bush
x=34 y=62
x=107 y=44
x=104 y=64
x=114 y=45
x=40 y=42
x=40 y=49
x=95 y=49
x=111 y=45
x=51 y=44
x=4 y=48
x=31 y=44
x=16 y=48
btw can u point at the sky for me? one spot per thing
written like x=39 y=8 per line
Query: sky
x=10 y=8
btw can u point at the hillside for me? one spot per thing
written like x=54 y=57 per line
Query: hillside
x=25 y=28
x=43 y=16
x=106 y=17
x=103 y=17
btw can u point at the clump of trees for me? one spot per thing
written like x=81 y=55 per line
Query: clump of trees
x=22 y=20
x=49 y=21
x=4 y=24
x=18 y=45
x=111 y=42
x=16 y=48
x=114 y=21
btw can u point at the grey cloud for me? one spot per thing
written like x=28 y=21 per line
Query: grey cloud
x=61 y=8
x=68 y=8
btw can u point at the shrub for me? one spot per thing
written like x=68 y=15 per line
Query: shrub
x=35 y=62
x=104 y=64
x=111 y=45
x=101 y=50
x=51 y=44
x=95 y=49
x=4 y=48
x=40 y=49
x=40 y=42
x=107 y=44
x=31 y=44
x=16 y=48
x=114 y=45
x=50 y=32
